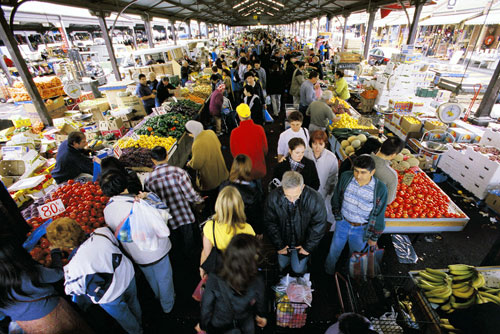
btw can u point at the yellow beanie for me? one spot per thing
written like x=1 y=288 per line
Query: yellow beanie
x=243 y=110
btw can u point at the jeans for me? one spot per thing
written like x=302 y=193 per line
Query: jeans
x=126 y=310
x=344 y=232
x=183 y=82
x=276 y=102
x=298 y=266
x=159 y=277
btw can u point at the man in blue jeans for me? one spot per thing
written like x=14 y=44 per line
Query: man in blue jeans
x=358 y=203
x=295 y=221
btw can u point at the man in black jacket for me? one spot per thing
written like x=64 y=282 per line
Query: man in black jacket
x=162 y=92
x=295 y=220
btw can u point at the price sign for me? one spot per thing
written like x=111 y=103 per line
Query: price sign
x=365 y=121
x=161 y=111
x=51 y=209
x=117 y=151
x=134 y=136
x=408 y=178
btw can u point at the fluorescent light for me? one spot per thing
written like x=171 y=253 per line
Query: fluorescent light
x=270 y=14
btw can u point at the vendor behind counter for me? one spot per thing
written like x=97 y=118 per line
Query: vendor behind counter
x=341 y=86
x=71 y=160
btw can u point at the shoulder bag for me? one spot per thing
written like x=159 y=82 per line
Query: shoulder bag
x=214 y=260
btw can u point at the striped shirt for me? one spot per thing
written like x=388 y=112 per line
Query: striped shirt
x=358 y=201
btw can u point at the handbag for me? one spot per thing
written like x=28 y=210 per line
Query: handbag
x=366 y=263
x=200 y=288
x=214 y=260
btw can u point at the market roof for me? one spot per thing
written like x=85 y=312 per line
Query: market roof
x=493 y=17
x=230 y=12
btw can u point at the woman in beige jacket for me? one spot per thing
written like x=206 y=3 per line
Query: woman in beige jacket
x=297 y=80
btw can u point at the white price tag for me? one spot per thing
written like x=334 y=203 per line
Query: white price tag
x=117 y=151
x=134 y=136
x=51 y=209
x=161 y=111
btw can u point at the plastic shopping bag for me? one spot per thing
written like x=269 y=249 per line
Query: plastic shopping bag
x=366 y=263
x=148 y=225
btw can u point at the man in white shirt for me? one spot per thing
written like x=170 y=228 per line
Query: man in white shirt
x=296 y=130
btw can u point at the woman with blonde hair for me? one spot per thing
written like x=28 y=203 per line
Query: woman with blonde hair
x=228 y=221
x=250 y=190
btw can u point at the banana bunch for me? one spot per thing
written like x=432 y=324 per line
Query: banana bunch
x=436 y=285
x=445 y=323
x=466 y=280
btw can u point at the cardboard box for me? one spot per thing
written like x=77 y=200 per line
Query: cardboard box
x=131 y=102
x=493 y=201
x=60 y=138
x=112 y=89
x=101 y=104
x=461 y=135
x=158 y=69
x=430 y=126
x=408 y=127
x=67 y=128
x=118 y=132
x=12 y=168
x=59 y=112
x=14 y=152
x=109 y=125
x=90 y=135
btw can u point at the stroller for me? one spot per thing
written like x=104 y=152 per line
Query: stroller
x=228 y=115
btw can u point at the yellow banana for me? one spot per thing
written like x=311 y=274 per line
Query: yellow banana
x=490 y=290
x=479 y=281
x=444 y=321
x=481 y=299
x=459 y=285
x=490 y=296
x=464 y=293
x=440 y=291
x=462 y=278
x=431 y=278
x=447 y=326
x=466 y=304
x=437 y=300
x=446 y=307
x=436 y=272
x=460 y=267
x=460 y=272
x=433 y=284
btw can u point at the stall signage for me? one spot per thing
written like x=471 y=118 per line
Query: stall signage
x=408 y=178
x=51 y=209
x=117 y=151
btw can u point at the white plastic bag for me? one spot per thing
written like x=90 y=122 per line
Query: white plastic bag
x=147 y=225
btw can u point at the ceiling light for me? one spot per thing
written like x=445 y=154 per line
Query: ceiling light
x=270 y=14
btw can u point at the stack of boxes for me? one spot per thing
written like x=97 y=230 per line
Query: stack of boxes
x=474 y=170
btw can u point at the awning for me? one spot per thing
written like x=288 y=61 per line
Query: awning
x=446 y=19
x=358 y=18
x=493 y=17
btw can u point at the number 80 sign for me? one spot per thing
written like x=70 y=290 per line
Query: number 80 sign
x=51 y=209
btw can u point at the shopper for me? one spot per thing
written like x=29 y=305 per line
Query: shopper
x=257 y=88
x=275 y=87
x=72 y=161
x=327 y=167
x=316 y=64
x=229 y=220
x=250 y=139
x=358 y=203
x=216 y=101
x=320 y=112
x=184 y=72
x=308 y=93
x=297 y=81
x=296 y=161
x=295 y=131
x=234 y=299
x=154 y=264
x=99 y=271
x=207 y=161
x=242 y=69
x=391 y=147
x=371 y=145
x=261 y=73
x=250 y=190
x=254 y=103
x=145 y=94
x=226 y=78
x=162 y=91
x=236 y=83
x=295 y=221
x=152 y=81
x=341 y=87
x=28 y=297
x=351 y=323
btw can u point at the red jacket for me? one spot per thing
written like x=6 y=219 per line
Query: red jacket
x=216 y=101
x=250 y=139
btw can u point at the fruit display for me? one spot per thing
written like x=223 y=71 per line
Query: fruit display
x=421 y=199
x=436 y=123
x=203 y=90
x=136 y=157
x=47 y=86
x=148 y=142
x=195 y=98
x=351 y=144
x=348 y=122
x=459 y=288
x=83 y=202
x=337 y=100
x=339 y=106
x=412 y=120
x=167 y=125
x=185 y=107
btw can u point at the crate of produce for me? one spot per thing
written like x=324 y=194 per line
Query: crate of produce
x=410 y=124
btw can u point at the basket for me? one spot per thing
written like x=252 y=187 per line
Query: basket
x=369 y=94
x=375 y=297
x=291 y=315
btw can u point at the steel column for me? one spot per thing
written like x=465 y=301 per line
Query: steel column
x=368 y=34
x=134 y=35
x=172 y=24
x=189 y=29
x=63 y=28
x=5 y=69
x=327 y=25
x=199 y=29
x=9 y=41
x=490 y=96
x=412 y=35
x=149 y=32
x=109 y=46
x=343 y=33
